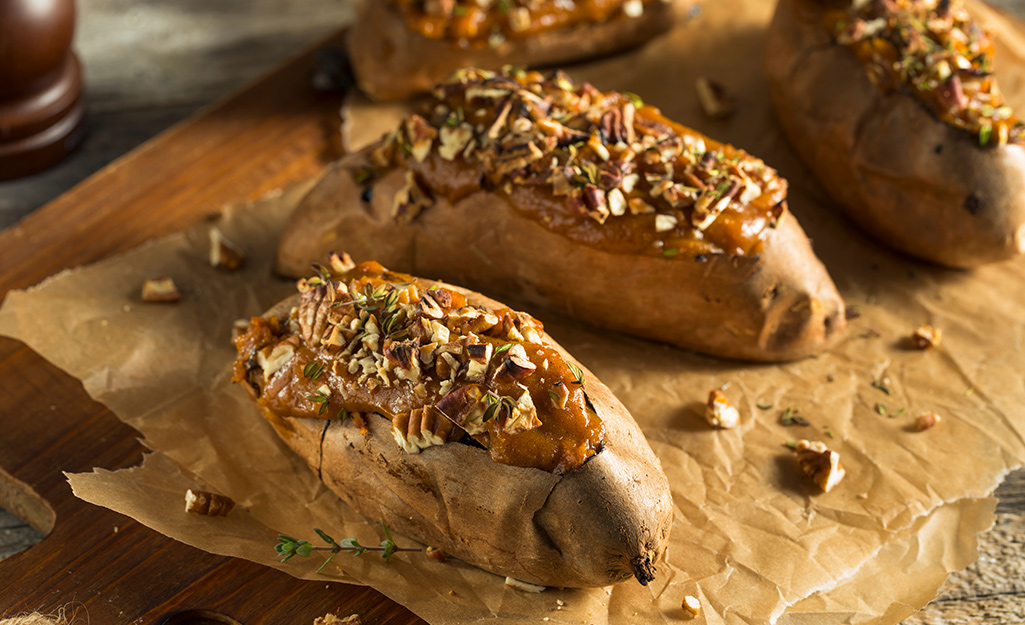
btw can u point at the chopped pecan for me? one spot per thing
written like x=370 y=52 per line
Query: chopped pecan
x=719 y=412
x=421 y=137
x=515 y=365
x=465 y=407
x=223 y=253
x=927 y=420
x=821 y=464
x=410 y=200
x=692 y=606
x=160 y=291
x=453 y=140
x=926 y=336
x=403 y=354
x=207 y=503
x=341 y=264
x=428 y=308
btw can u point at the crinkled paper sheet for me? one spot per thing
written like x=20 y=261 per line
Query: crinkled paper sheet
x=752 y=538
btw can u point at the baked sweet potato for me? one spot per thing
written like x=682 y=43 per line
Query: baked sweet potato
x=403 y=47
x=894 y=107
x=459 y=423
x=585 y=202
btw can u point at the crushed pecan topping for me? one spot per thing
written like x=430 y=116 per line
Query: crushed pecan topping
x=480 y=23
x=603 y=157
x=363 y=339
x=937 y=51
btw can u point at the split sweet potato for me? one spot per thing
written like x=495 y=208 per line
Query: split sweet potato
x=459 y=423
x=895 y=108
x=584 y=202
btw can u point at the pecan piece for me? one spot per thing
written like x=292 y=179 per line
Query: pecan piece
x=926 y=336
x=465 y=407
x=515 y=365
x=160 y=291
x=206 y=503
x=719 y=412
x=223 y=253
x=927 y=420
x=821 y=464
x=410 y=200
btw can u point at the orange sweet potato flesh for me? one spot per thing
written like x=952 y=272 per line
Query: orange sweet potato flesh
x=915 y=183
x=598 y=524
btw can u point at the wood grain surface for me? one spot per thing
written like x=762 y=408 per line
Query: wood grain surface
x=151 y=64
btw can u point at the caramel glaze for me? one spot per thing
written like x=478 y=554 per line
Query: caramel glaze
x=566 y=437
x=740 y=230
x=473 y=26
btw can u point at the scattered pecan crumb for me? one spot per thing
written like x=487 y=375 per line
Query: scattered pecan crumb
x=820 y=463
x=926 y=336
x=433 y=553
x=719 y=412
x=692 y=605
x=160 y=290
x=209 y=504
x=927 y=420
x=223 y=253
x=331 y=619
x=714 y=100
x=521 y=585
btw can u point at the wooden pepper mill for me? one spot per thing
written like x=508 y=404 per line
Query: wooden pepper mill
x=41 y=103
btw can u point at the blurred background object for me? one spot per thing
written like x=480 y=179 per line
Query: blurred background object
x=41 y=106
x=151 y=63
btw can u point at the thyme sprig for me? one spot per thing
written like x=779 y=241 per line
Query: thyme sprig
x=322 y=399
x=497 y=405
x=289 y=547
x=577 y=373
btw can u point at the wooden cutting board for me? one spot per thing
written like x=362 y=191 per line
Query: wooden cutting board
x=94 y=563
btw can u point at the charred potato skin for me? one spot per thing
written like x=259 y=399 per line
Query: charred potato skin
x=915 y=183
x=391 y=62
x=566 y=530
x=778 y=306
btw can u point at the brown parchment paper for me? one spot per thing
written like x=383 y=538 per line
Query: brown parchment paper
x=752 y=538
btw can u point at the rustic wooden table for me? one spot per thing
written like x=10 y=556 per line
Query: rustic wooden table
x=151 y=64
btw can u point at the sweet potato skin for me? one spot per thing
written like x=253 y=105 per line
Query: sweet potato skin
x=579 y=529
x=392 y=63
x=778 y=306
x=915 y=183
